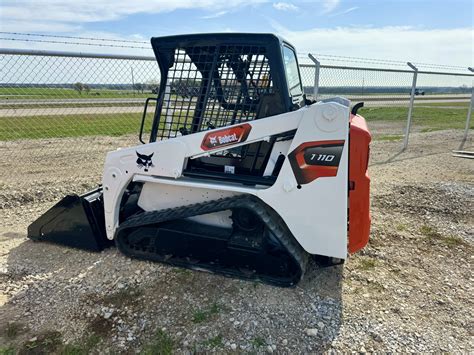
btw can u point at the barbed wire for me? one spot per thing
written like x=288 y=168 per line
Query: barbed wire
x=382 y=61
x=72 y=37
x=332 y=57
x=355 y=60
x=440 y=66
x=359 y=58
x=75 y=43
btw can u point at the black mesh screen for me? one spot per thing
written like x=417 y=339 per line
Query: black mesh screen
x=213 y=86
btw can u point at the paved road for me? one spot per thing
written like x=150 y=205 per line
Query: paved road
x=62 y=111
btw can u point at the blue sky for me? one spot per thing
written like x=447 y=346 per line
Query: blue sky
x=436 y=31
x=299 y=15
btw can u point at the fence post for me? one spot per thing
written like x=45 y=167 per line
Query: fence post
x=469 y=113
x=410 y=107
x=317 y=66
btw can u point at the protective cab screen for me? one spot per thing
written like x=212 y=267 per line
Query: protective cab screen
x=213 y=86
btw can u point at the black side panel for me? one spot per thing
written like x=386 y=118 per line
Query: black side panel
x=75 y=221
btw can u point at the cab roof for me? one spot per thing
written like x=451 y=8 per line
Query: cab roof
x=218 y=38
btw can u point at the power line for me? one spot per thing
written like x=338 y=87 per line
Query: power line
x=71 y=37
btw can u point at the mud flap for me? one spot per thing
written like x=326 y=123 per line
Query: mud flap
x=75 y=221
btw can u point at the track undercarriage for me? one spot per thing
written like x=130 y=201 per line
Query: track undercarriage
x=258 y=246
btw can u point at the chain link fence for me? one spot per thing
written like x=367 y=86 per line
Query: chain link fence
x=58 y=106
x=404 y=107
x=59 y=96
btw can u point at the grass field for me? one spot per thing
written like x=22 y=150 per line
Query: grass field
x=13 y=128
x=443 y=104
x=62 y=93
x=429 y=118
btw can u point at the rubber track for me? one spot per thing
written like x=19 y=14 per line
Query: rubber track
x=268 y=216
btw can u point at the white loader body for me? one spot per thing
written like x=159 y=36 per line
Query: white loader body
x=315 y=212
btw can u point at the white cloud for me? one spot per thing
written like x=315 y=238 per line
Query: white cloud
x=215 y=15
x=138 y=36
x=285 y=6
x=66 y=12
x=346 y=11
x=83 y=46
x=444 y=46
x=12 y=25
x=329 y=5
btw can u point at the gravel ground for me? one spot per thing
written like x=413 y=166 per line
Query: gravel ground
x=409 y=290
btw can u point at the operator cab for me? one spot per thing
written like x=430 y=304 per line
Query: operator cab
x=217 y=80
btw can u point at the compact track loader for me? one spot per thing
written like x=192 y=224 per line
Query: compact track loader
x=241 y=174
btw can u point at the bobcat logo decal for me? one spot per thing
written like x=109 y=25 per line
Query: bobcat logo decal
x=213 y=140
x=227 y=136
x=144 y=161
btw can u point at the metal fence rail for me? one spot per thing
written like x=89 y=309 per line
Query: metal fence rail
x=83 y=103
x=397 y=80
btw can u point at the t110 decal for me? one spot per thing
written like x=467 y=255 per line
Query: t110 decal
x=312 y=160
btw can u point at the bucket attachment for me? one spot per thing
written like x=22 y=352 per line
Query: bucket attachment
x=75 y=221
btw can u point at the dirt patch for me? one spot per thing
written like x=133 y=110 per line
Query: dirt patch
x=447 y=206
x=409 y=290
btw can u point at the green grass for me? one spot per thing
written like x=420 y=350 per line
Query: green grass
x=118 y=124
x=443 y=104
x=401 y=227
x=18 y=93
x=205 y=314
x=162 y=344
x=12 y=128
x=7 y=350
x=57 y=126
x=429 y=231
x=452 y=241
x=182 y=271
x=51 y=342
x=125 y=297
x=258 y=342
x=433 y=235
x=214 y=342
x=389 y=137
x=367 y=264
x=83 y=348
x=428 y=129
x=429 y=117
x=46 y=343
x=12 y=330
